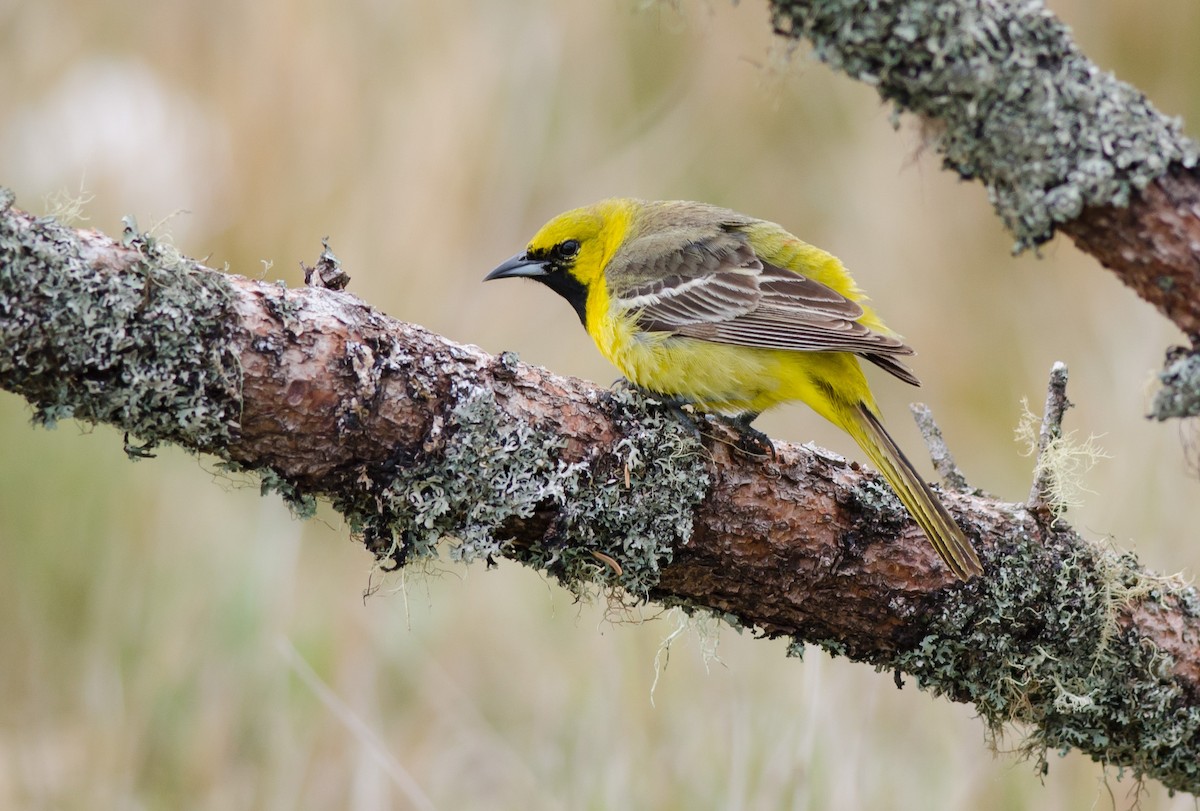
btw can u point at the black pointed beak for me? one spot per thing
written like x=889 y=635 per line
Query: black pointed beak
x=519 y=265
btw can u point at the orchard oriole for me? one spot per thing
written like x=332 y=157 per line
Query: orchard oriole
x=733 y=315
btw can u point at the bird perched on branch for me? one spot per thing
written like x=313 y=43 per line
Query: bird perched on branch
x=733 y=315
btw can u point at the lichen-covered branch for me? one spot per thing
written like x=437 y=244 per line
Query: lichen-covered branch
x=426 y=445
x=1060 y=144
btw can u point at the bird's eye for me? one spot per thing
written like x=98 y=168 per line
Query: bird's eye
x=568 y=249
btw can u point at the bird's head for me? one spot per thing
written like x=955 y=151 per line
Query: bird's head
x=569 y=253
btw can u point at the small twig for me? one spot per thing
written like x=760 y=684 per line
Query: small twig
x=939 y=453
x=608 y=560
x=1052 y=417
x=327 y=272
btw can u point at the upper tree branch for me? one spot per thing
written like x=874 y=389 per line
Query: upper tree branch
x=1009 y=100
x=414 y=438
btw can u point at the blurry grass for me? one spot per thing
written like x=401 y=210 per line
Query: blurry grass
x=150 y=611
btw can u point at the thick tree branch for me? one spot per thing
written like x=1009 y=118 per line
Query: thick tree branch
x=414 y=439
x=1008 y=99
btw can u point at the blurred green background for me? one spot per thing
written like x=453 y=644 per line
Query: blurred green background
x=169 y=639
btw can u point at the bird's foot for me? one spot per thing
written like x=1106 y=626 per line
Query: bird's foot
x=751 y=441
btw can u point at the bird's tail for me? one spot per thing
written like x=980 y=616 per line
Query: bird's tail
x=929 y=513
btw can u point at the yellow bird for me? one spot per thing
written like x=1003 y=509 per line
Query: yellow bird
x=733 y=315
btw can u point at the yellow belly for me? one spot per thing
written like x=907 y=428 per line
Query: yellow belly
x=731 y=379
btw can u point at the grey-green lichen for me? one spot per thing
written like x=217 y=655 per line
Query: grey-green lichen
x=488 y=477
x=1180 y=392
x=147 y=351
x=1010 y=100
x=1037 y=642
x=303 y=505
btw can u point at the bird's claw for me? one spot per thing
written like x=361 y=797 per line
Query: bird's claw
x=751 y=441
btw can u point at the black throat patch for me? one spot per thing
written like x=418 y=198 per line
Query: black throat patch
x=566 y=285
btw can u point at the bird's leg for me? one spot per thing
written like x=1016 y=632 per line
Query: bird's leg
x=751 y=440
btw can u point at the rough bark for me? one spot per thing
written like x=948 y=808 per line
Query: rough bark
x=1153 y=244
x=414 y=439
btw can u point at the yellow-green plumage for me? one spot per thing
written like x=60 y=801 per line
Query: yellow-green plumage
x=734 y=315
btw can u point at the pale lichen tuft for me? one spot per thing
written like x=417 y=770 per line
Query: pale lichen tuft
x=495 y=480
